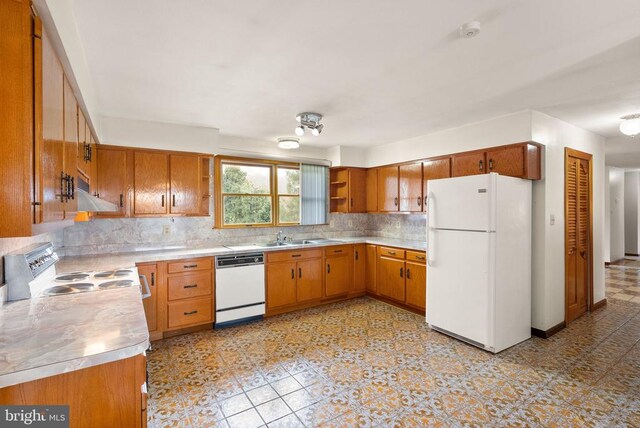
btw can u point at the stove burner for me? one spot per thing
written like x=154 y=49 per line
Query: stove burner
x=113 y=274
x=82 y=286
x=73 y=276
x=58 y=289
x=116 y=284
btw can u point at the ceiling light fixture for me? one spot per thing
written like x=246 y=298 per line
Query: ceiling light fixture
x=288 y=143
x=630 y=124
x=311 y=121
x=470 y=29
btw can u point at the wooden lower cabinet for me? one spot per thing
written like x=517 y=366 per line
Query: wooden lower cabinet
x=359 y=284
x=370 y=269
x=108 y=395
x=391 y=278
x=338 y=271
x=416 y=280
x=294 y=278
x=401 y=277
x=150 y=272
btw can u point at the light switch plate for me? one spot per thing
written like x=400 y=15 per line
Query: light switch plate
x=552 y=219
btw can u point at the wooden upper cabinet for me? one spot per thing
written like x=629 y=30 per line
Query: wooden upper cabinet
x=112 y=178
x=357 y=195
x=468 y=164
x=150 y=171
x=185 y=176
x=359 y=268
x=309 y=280
x=70 y=147
x=347 y=190
x=372 y=190
x=388 y=188
x=52 y=151
x=82 y=143
x=410 y=182
x=433 y=169
x=521 y=160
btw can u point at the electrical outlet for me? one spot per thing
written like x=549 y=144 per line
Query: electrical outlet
x=552 y=219
x=166 y=229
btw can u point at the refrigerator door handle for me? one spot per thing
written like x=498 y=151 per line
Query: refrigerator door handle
x=427 y=207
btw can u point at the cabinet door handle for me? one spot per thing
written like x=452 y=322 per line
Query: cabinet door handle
x=351 y=202
x=395 y=201
x=190 y=313
x=356 y=254
x=63 y=193
x=173 y=202
x=408 y=273
x=480 y=164
x=121 y=200
x=328 y=268
x=299 y=272
x=72 y=187
x=490 y=164
x=189 y=266
x=293 y=273
x=153 y=279
x=162 y=199
x=419 y=201
x=401 y=269
x=191 y=286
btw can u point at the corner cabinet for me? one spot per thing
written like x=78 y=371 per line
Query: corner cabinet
x=150 y=272
x=346 y=190
x=401 y=277
x=338 y=271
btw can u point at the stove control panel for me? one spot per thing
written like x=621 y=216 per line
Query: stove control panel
x=41 y=260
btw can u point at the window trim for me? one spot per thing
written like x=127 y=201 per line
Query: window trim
x=273 y=182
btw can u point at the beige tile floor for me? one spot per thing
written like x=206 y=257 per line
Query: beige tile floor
x=365 y=363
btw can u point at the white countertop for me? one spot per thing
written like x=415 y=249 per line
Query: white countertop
x=113 y=261
x=47 y=336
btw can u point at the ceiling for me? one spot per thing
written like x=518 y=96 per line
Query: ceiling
x=379 y=71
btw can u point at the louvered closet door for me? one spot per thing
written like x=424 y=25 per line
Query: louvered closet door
x=577 y=236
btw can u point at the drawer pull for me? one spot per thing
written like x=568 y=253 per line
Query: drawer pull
x=391 y=253
x=421 y=257
x=190 y=266
x=296 y=255
x=337 y=251
x=191 y=286
x=191 y=313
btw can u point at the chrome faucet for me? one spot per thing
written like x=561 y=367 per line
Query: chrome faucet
x=279 y=236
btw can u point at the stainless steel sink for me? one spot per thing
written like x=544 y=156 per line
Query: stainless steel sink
x=313 y=241
x=273 y=244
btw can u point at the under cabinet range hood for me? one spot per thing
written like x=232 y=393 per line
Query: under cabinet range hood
x=90 y=203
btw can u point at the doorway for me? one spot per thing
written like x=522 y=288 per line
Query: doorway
x=578 y=242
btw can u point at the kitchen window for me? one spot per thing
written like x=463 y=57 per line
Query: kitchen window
x=258 y=193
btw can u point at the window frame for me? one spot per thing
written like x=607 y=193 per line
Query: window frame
x=219 y=161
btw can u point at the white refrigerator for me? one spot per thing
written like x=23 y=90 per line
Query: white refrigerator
x=479 y=259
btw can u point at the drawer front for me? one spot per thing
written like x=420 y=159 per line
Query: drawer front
x=190 y=265
x=283 y=256
x=189 y=285
x=417 y=256
x=396 y=253
x=337 y=250
x=190 y=312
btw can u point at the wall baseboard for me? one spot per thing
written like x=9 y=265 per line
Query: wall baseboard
x=631 y=254
x=597 y=305
x=545 y=334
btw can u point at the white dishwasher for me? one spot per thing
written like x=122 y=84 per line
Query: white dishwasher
x=239 y=289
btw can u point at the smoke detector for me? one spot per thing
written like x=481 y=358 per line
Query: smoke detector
x=470 y=29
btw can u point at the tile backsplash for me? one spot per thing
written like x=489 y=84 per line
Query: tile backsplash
x=133 y=234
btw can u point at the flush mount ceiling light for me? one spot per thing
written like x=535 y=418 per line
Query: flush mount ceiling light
x=311 y=121
x=288 y=143
x=630 y=124
x=470 y=29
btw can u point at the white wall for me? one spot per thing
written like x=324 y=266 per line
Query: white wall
x=548 y=266
x=508 y=129
x=347 y=156
x=631 y=193
x=157 y=135
x=615 y=214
